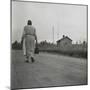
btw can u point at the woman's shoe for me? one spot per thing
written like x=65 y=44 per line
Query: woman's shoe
x=32 y=59
x=27 y=61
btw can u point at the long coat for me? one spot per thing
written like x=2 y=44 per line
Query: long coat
x=29 y=35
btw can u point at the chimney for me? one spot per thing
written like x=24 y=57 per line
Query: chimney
x=63 y=36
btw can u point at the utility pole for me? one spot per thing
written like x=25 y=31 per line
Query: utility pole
x=53 y=33
x=57 y=35
x=57 y=30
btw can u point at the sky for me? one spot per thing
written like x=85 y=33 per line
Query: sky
x=60 y=19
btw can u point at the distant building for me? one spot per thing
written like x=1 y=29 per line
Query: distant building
x=65 y=41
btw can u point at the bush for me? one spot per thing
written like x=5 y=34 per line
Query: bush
x=16 y=46
x=75 y=53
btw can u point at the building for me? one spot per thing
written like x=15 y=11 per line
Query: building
x=65 y=41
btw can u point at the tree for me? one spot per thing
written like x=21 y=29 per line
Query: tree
x=16 y=45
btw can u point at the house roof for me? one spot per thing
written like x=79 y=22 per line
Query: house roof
x=64 y=38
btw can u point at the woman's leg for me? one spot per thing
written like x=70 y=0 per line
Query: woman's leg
x=26 y=58
x=32 y=56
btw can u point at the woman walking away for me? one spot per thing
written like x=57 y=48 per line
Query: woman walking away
x=28 y=40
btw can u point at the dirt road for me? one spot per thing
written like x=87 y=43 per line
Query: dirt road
x=48 y=70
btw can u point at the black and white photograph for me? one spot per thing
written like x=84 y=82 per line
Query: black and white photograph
x=49 y=44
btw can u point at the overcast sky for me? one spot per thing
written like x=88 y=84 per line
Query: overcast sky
x=69 y=20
